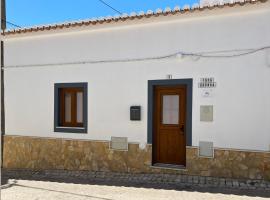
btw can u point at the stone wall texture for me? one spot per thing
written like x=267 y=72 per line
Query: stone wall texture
x=22 y=152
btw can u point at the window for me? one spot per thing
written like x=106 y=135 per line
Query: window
x=170 y=111
x=70 y=107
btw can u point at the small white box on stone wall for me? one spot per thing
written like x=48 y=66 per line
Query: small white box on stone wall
x=119 y=143
x=206 y=149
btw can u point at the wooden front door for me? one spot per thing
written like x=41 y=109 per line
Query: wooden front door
x=169 y=125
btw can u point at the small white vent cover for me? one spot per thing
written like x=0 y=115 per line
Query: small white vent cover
x=206 y=149
x=119 y=143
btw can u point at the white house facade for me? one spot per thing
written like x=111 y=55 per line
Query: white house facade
x=181 y=91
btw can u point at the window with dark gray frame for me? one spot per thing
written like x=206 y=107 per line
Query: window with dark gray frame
x=70 y=107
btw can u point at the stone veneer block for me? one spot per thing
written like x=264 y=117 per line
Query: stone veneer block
x=22 y=152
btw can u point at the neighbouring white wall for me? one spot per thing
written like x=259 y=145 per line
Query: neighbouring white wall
x=215 y=2
x=241 y=99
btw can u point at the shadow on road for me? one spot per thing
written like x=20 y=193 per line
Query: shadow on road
x=62 y=192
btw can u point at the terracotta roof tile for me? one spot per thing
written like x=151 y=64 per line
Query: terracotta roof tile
x=134 y=15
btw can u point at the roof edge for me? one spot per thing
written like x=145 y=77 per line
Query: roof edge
x=140 y=15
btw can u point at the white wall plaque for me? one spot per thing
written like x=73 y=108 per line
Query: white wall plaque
x=206 y=113
x=207 y=93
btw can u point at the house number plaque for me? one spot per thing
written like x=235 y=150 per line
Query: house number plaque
x=207 y=83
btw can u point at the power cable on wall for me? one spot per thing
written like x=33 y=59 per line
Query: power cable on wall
x=249 y=51
x=179 y=54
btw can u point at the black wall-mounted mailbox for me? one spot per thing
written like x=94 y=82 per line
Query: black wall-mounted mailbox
x=135 y=113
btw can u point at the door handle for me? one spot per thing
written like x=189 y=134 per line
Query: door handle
x=182 y=128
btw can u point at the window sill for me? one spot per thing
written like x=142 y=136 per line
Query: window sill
x=70 y=129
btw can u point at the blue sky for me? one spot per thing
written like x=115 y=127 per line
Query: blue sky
x=35 y=12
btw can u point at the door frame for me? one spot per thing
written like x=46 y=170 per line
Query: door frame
x=169 y=82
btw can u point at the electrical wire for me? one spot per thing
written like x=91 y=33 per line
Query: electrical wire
x=10 y=23
x=197 y=56
x=106 y=4
x=103 y=2
x=250 y=51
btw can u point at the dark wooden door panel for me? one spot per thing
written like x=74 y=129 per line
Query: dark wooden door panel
x=163 y=141
x=169 y=125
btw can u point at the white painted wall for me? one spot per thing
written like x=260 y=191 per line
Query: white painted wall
x=216 y=2
x=241 y=99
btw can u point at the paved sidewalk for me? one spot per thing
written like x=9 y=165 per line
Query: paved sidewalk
x=171 y=179
x=60 y=184
x=41 y=190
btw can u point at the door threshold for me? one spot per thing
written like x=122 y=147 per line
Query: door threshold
x=169 y=166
